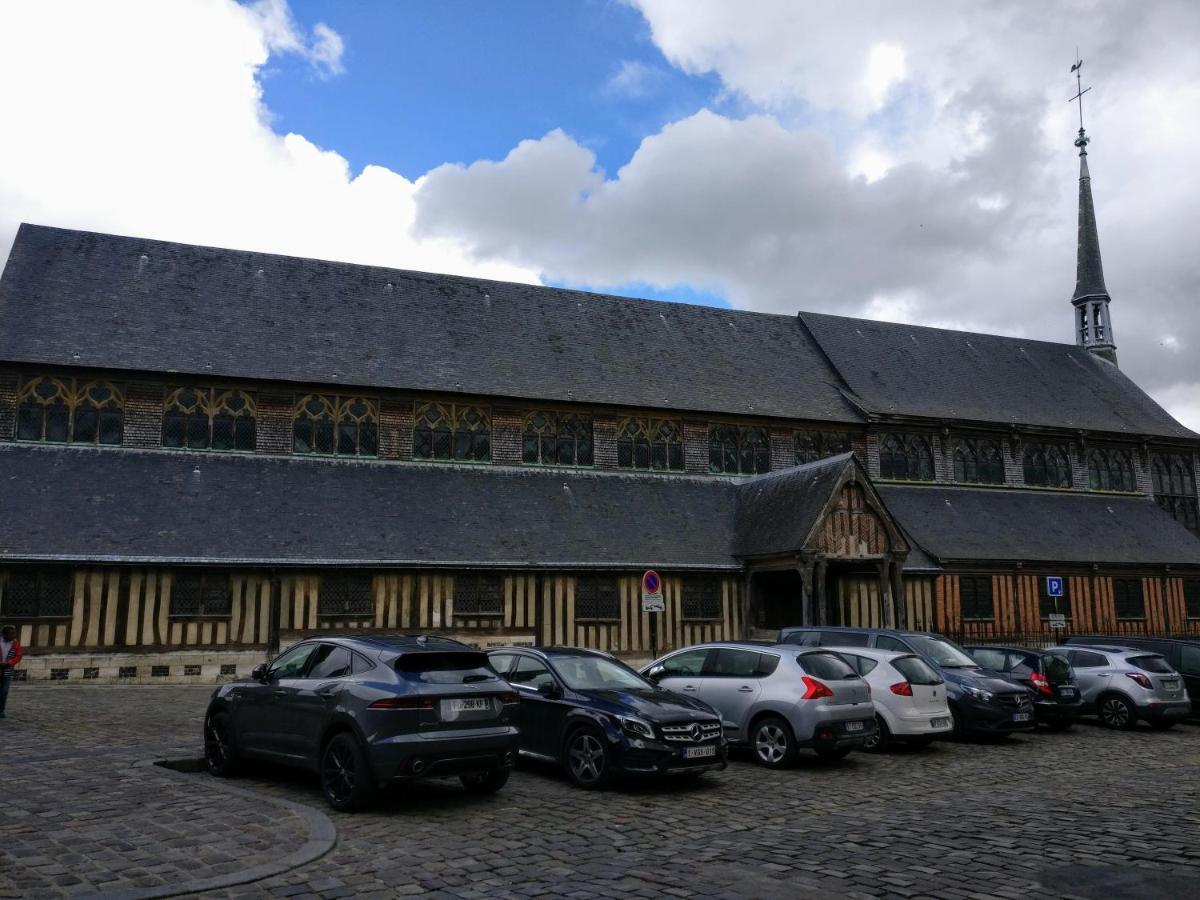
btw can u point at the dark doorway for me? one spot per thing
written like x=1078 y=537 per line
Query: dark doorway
x=780 y=598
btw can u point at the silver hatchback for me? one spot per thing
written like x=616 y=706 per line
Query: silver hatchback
x=1124 y=684
x=775 y=698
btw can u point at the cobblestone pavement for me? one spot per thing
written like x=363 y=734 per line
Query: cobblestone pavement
x=1089 y=813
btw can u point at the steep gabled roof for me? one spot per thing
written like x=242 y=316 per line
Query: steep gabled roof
x=776 y=512
x=910 y=370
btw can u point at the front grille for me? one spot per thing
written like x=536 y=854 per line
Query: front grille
x=1014 y=701
x=692 y=732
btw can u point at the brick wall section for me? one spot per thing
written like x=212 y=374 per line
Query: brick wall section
x=273 y=427
x=604 y=441
x=395 y=429
x=695 y=445
x=8 y=405
x=507 y=425
x=870 y=453
x=143 y=415
x=783 y=448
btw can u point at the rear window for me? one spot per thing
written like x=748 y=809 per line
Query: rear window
x=466 y=667
x=1151 y=664
x=916 y=670
x=1058 y=669
x=826 y=665
x=844 y=639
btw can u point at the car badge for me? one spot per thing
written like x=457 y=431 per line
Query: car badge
x=697 y=733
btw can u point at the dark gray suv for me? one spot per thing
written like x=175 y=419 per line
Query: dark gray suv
x=366 y=712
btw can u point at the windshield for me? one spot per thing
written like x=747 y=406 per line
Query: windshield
x=941 y=651
x=1155 y=664
x=451 y=667
x=595 y=673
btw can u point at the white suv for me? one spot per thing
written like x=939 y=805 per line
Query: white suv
x=909 y=696
x=1124 y=684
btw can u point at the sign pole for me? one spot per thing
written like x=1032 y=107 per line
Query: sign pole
x=653 y=604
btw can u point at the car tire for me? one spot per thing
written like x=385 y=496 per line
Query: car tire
x=1162 y=724
x=484 y=782
x=772 y=743
x=1117 y=712
x=832 y=754
x=346 y=779
x=881 y=739
x=586 y=759
x=221 y=756
x=958 y=729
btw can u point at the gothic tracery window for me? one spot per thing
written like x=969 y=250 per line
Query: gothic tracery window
x=67 y=410
x=338 y=426
x=448 y=431
x=978 y=461
x=1046 y=465
x=209 y=419
x=815 y=445
x=738 y=450
x=553 y=438
x=1175 y=488
x=654 y=444
x=1111 y=469
x=905 y=457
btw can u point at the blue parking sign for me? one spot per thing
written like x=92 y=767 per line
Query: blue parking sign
x=1054 y=585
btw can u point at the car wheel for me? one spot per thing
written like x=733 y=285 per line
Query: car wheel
x=485 y=782
x=1162 y=724
x=958 y=728
x=221 y=756
x=773 y=743
x=587 y=759
x=881 y=739
x=346 y=779
x=832 y=754
x=1116 y=712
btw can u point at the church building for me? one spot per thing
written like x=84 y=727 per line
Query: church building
x=206 y=454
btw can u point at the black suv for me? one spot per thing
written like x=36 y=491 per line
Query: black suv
x=598 y=718
x=979 y=702
x=1181 y=654
x=1046 y=674
x=366 y=712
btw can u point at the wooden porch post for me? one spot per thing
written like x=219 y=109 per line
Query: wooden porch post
x=899 y=600
x=886 y=616
x=819 y=592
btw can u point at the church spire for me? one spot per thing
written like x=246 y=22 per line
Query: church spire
x=1093 y=327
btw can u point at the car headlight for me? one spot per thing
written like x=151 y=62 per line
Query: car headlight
x=635 y=727
x=978 y=693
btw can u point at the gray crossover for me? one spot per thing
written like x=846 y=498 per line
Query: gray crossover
x=1123 y=684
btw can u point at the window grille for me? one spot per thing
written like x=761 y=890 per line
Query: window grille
x=978 y=462
x=1128 y=600
x=348 y=595
x=37 y=594
x=1047 y=465
x=331 y=425
x=551 y=438
x=597 y=597
x=66 y=410
x=201 y=594
x=197 y=418
x=478 y=595
x=702 y=598
x=1175 y=488
x=905 y=457
x=816 y=445
x=650 y=444
x=446 y=431
x=975 y=598
x=1111 y=470
x=738 y=450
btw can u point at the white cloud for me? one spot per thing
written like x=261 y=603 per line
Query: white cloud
x=633 y=78
x=282 y=34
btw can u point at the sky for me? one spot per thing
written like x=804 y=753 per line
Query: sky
x=906 y=161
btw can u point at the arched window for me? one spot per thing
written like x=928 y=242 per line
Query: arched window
x=208 y=419
x=655 y=444
x=338 y=426
x=65 y=410
x=1175 y=488
x=814 y=445
x=1047 y=465
x=1111 y=470
x=551 y=438
x=978 y=462
x=735 y=450
x=905 y=457
x=446 y=431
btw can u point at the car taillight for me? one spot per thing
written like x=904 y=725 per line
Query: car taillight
x=902 y=688
x=1141 y=679
x=403 y=703
x=509 y=699
x=1042 y=683
x=815 y=690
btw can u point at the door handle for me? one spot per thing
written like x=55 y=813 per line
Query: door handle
x=689 y=687
x=745 y=689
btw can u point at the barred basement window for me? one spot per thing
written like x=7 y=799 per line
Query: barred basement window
x=978 y=462
x=201 y=594
x=209 y=419
x=551 y=438
x=447 y=431
x=1191 y=598
x=478 y=595
x=1111 y=470
x=69 y=411
x=1047 y=465
x=346 y=595
x=815 y=445
x=1175 y=488
x=597 y=597
x=37 y=594
x=1128 y=601
x=1046 y=603
x=905 y=457
x=330 y=425
x=650 y=444
x=975 y=598
x=701 y=597
x=734 y=450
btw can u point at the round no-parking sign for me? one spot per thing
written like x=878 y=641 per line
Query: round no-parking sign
x=652 y=598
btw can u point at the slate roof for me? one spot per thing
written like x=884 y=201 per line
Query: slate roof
x=953 y=523
x=79 y=298
x=775 y=512
x=911 y=370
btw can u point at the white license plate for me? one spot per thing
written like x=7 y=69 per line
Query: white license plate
x=482 y=704
x=1067 y=691
x=1172 y=684
x=1021 y=717
x=854 y=726
x=940 y=722
x=699 y=752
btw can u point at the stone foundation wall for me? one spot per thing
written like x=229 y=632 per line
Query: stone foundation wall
x=172 y=667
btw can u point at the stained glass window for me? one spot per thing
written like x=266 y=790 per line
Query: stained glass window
x=738 y=450
x=197 y=418
x=978 y=461
x=653 y=444
x=552 y=438
x=1111 y=470
x=1047 y=465
x=336 y=426
x=905 y=457
x=68 y=410
x=445 y=431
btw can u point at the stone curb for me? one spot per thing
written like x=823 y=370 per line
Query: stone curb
x=322 y=835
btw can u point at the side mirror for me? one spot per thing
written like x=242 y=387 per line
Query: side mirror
x=259 y=673
x=549 y=690
x=656 y=673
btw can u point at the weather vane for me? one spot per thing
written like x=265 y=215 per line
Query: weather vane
x=1082 y=141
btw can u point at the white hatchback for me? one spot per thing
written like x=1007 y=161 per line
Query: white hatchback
x=909 y=696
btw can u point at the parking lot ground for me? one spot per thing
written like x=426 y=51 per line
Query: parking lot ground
x=1090 y=813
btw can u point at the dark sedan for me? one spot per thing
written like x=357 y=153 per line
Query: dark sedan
x=367 y=712
x=597 y=718
x=1047 y=675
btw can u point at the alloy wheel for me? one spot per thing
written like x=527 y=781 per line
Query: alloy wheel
x=1115 y=712
x=770 y=743
x=586 y=758
x=338 y=773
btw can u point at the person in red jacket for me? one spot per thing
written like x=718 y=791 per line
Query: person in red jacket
x=10 y=658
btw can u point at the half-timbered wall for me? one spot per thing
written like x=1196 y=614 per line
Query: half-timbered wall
x=851 y=530
x=918 y=604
